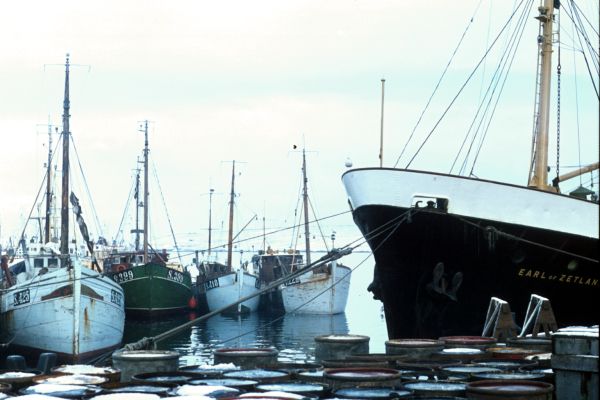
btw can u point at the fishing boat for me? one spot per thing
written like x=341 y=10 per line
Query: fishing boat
x=445 y=244
x=53 y=301
x=273 y=265
x=322 y=290
x=152 y=284
x=220 y=283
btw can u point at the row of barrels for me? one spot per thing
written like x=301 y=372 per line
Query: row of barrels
x=455 y=367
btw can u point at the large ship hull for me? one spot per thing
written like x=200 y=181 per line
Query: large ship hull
x=51 y=313
x=444 y=245
x=152 y=289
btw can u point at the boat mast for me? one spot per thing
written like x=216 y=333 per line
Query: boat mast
x=64 y=211
x=539 y=177
x=305 y=200
x=48 y=187
x=145 y=191
x=230 y=237
x=210 y=195
x=137 y=208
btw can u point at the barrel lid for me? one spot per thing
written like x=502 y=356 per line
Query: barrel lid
x=505 y=364
x=172 y=377
x=516 y=387
x=85 y=369
x=126 y=396
x=352 y=374
x=271 y=395
x=231 y=382
x=293 y=387
x=469 y=340
x=342 y=338
x=450 y=388
x=128 y=387
x=217 y=391
x=68 y=391
x=70 y=379
x=462 y=351
x=11 y=376
x=256 y=374
x=372 y=393
x=210 y=370
x=414 y=343
x=144 y=355
x=247 y=352
x=583 y=332
x=510 y=352
x=470 y=369
x=509 y=375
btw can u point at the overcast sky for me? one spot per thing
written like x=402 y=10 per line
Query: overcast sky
x=246 y=81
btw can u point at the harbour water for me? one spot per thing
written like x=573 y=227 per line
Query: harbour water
x=292 y=334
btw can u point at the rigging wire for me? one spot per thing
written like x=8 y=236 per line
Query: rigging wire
x=496 y=77
x=166 y=210
x=487 y=127
x=87 y=188
x=126 y=210
x=462 y=87
x=438 y=84
x=581 y=32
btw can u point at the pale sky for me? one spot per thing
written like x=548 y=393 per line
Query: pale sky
x=225 y=80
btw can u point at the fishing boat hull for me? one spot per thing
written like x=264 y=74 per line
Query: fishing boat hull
x=224 y=290
x=153 y=289
x=317 y=293
x=444 y=245
x=51 y=314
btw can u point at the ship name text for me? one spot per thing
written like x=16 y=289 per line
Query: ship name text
x=564 y=278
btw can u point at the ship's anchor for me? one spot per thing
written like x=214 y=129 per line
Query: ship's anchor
x=439 y=284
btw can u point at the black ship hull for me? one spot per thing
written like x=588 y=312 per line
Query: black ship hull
x=436 y=272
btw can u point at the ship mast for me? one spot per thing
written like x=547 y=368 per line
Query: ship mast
x=539 y=176
x=305 y=200
x=145 y=191
x=137 y=208
x=210 y=195
x=48 y=223
x=64 y=211
x=230 y=237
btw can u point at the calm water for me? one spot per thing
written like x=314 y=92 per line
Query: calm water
x=292 y=334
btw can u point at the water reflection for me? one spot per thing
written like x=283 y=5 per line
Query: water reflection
x=293 y=335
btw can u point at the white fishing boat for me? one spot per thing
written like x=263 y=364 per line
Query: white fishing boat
x=224 y=286
x=224 y=289
x=323 y=290
x=54 y=302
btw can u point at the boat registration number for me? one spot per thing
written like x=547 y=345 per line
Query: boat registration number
x=116 y=297
x=211 y=284
x=175 y=276
x=123 y=276
x=21 y=297
x=293 y=281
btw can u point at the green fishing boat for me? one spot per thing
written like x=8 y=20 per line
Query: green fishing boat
x=156 y=287
x=152 y=285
